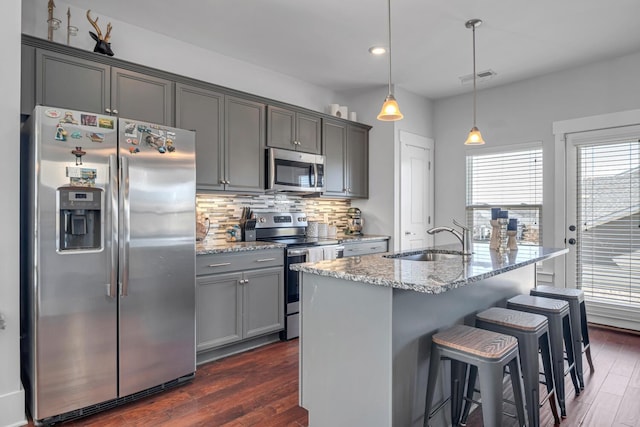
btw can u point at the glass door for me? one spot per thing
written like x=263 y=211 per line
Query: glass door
x=603 y=221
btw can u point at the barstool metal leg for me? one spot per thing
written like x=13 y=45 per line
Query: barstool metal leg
x=555 y=338
x=458 y=379
x=518 y=393
x=530 y=368
x=471 y=385
x=434 y=370
x=585 y=335
x=576 y=333
x=568 y=343
x=490 y=387
x=545 y=351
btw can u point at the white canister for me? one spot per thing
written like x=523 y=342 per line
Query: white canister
x=343 y=111
x=353 y=117
x=312 y=229
x=333 y=109
x=323 y=229
x=332 y=231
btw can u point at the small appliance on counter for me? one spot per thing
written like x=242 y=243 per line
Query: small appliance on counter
x=248 y=225
x=354 y=221
x=248 y=228
x=202 y=229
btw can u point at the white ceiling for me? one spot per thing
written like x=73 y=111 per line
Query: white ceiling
x=325 y=42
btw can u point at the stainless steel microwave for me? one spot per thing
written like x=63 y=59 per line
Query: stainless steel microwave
x=294 y=171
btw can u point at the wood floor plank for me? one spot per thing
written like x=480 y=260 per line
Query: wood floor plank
x=629 y=410
x=603 y=410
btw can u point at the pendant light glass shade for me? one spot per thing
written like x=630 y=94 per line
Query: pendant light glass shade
x=390 y=110
x=475 y=137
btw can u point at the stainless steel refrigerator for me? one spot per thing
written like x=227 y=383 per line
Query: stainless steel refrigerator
x=108 y=251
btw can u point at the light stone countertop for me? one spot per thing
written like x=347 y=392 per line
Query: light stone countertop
x=220 y=247
x=432 y=277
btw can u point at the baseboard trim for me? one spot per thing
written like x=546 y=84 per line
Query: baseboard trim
x=12 y=409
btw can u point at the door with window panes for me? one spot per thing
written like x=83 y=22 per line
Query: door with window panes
x=603 y=222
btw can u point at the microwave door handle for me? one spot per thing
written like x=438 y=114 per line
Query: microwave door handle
x=315 y=176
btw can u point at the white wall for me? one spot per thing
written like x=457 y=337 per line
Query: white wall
x=148 y=48
x=524 y=112
x=380 y=211
x=11 y=393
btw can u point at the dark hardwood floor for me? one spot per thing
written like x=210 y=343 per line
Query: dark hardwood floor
x=260 y=388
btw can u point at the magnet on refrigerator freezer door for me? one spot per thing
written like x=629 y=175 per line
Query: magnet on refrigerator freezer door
x=96 y=136
x=68 y=118
x=76 y=135
x=78 y=152
x=105 y=123
x=134 y=150
x=61 y=134
x=54 y=114
x=89 y=120
x=130 y=129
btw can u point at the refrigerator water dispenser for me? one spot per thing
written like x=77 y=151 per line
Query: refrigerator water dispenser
x=79 y=212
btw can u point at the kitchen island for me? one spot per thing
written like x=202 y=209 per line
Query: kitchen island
x=367 y=324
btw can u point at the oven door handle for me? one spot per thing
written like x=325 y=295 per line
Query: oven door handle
x=297 y=252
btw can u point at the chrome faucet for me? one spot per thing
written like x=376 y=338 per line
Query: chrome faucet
x=464 y=236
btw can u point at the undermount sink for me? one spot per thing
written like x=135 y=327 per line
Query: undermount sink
x=427 y=256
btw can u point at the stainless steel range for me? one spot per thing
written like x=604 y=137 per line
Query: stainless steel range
x=289 y=228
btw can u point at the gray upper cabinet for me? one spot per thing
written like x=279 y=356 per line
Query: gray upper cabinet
x=334 y=136
x=293 y=130
x=357 y=162
x=346 y=148
x=244 y=131
x=68 y=82
x=202 y=110
x=141 y=97
x=27 y=80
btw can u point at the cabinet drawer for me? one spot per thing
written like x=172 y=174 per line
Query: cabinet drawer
x=365 y=248
x=246 y=260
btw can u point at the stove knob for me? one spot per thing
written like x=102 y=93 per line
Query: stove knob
x=301 y=219
x=262 y=219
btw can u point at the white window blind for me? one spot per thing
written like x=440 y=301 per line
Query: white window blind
x=608 y=214
x=510 y=180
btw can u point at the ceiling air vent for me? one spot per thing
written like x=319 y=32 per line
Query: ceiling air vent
x=480 y=77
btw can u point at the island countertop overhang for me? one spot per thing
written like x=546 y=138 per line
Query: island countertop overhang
x=431 y=277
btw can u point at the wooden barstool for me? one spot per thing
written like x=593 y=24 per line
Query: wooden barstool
x=557 y=313
x=489 y=352
x=532 y=332
x=578 y=313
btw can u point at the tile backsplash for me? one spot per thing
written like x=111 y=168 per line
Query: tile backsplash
x=224 y=211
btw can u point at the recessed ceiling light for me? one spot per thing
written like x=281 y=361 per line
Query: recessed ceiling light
x=377 y=50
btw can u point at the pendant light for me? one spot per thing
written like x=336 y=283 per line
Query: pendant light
x=475 y=137
x=390 y=111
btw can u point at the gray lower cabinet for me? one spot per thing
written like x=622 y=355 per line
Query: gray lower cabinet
x=365 y=248
x=346 y=148
x=293 y=130
x=66 y=81
x=233 y=306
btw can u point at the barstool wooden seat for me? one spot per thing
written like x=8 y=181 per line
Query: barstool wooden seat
x=578 y=313
x=557 y=313
x=489 y=352
x=532 y=333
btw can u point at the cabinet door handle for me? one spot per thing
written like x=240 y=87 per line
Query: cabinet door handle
x=222 y=264
x=107 y=110
x=115 y=111
x=265 y=260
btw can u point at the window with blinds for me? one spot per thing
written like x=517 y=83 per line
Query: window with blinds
x=510 y=180
x=608 y=213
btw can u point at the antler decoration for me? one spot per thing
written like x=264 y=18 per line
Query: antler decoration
x=102 y=43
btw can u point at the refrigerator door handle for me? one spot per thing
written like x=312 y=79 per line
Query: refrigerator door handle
x=113 y=201
x=126 y=228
